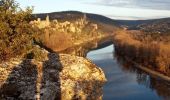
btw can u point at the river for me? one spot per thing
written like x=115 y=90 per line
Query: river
x=124 y=81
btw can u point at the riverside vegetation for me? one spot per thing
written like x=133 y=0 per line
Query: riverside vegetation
x=149 y=49
x=28 y=46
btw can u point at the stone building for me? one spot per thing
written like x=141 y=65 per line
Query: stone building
x=41 y=23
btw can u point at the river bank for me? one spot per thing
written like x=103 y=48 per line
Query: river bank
x=143 y=50
x=125 y=81
x=150 y=71
x=76 y=72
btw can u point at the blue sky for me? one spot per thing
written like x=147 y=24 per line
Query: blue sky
x=116 y=9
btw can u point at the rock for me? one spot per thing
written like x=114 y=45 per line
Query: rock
x=80 y=79
x=63 y=76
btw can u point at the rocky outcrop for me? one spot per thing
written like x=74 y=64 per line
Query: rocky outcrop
x=63 y=76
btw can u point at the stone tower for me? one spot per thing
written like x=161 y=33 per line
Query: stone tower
x=47 y=20
x=84 y=17
x=39 y=19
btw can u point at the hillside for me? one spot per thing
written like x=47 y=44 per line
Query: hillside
x=73 y=15
x=100 y=19
x=132 y=23
x=153 y=25
x=157 y=29
x=161 y=26
x=149 y=41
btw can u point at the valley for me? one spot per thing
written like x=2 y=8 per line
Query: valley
x=72 y=55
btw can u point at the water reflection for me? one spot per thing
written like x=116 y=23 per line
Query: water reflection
x=161 y=87
x=124 y=81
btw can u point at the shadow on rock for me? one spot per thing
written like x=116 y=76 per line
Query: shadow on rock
x=32 y=80
x=20 y=82
x=50 y=80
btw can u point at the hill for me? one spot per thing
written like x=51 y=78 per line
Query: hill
x=160 y=26
x=104 y=23
x=73 y=15
x=153 y=25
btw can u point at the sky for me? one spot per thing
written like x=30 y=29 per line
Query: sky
x=116 y=9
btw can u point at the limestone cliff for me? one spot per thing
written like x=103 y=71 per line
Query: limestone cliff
x=58 y=77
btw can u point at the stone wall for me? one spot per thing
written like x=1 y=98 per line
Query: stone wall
x=66 y=26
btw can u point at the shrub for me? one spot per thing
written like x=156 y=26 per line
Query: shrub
x=15 y=32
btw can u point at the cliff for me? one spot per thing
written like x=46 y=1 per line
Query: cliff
x=59 y=76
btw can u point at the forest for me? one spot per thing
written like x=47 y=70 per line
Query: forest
x=149 y=50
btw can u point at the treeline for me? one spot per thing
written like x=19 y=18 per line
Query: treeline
x=144 y=50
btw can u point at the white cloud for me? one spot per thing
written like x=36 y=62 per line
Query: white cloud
x=144 y=4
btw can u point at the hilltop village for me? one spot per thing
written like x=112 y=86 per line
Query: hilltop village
x=55 y=33
x=67 y=26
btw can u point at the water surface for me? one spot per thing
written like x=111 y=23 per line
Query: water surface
x=125 y=82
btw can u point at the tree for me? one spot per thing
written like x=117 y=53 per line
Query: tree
x=15 y=31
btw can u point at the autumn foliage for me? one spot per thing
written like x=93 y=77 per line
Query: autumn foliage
x=144 y=50
x=55 y=40
x=15 y=31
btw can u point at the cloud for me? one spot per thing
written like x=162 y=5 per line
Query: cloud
x=126 y=17
x=144 y=4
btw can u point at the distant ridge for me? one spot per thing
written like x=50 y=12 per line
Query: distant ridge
x=73 y=15
x=96 y=18
x=139 y=22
